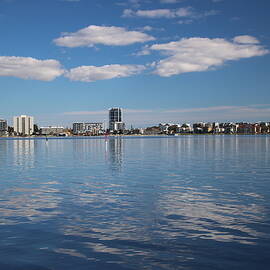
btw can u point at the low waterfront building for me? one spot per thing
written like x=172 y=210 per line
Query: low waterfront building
x=23 y=125
x=3 y=127
x=94 y=128
x=185 y=128
x=169 y=128
x=81 y=128
x=52 y=130
x=228 y=128
x=208 y=128
x=199 y=127
x=77 y=128
x=248 y=128
x=218 y=130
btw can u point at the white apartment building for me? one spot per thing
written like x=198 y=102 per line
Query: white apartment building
x=23 y=125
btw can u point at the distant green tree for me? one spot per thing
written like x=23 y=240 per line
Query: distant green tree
x=10 y=130
x=36 y=130
x=172 y=129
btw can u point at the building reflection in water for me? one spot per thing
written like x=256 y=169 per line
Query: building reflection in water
x=3 y=150
x=24 y=153
x=178 y=189
x=114 y=151
x=88 y=151
x=99 y=152
x=28 y=193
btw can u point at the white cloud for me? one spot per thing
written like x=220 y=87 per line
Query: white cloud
x=137 y=111
x=144 y=51
x=185 y=21
x=187 y=13
x=130 y=3
x=147 y=28
x=203 y=109
x=94 y=73
x=30 y=68
x=225 y=113
x=201 y=54
x=184 y=12
x=135 y=3
x=246 y=40
x=222 y=113
x=128 y=13
x=103 y=112
x=86 y=113
x=106 y=35
x=159 y=13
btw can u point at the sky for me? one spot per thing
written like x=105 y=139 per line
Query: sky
x=65 y=61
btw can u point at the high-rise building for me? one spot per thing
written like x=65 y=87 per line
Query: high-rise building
x=3 y=127
x=23 y=125
x=115 y=115
x=115 y=120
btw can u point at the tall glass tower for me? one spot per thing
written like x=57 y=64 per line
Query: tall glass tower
x=115 y=119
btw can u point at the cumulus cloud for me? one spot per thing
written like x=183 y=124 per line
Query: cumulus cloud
x=159 y=13
x=30 y=68
x=201 y=54
x=246 y=40
x=94 y=73
x=48 y=70
x=106 y=35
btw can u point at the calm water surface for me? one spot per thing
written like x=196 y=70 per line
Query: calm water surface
x=189 y=202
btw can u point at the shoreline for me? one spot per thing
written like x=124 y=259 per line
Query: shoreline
x=121 y=136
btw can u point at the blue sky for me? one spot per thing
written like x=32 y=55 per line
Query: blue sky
x=160 y=60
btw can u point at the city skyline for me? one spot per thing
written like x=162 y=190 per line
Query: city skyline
x=191 y=113
x=161 y=61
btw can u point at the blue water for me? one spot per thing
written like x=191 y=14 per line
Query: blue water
x=187 y=202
